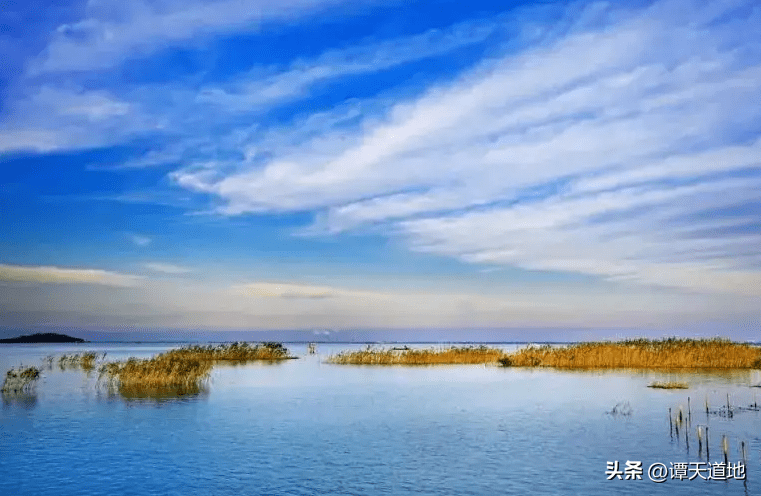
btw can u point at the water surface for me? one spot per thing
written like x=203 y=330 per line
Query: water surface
x=307 y=427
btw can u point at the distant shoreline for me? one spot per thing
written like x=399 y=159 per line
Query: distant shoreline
x=42 y=338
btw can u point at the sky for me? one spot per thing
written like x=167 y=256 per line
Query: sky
x=334 y=166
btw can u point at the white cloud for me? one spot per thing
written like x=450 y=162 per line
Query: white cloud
x=113 y=31
x=256 y=90
x=578 y=156
x=165 y=268
x=300 y=305
x=45 y=274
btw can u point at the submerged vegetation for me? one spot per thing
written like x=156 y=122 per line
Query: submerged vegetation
x=445 y=356
x=668 y=385
x=183 y=370
x=641 y=353
x=20 y=380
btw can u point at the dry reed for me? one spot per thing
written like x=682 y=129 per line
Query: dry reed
x=184 y=368
x=155 y=373
x=235 y=352
x=678 y=353
x=85 y=361
x=20 y=380
x=445 y=356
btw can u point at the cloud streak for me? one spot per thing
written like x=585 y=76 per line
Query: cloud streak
x=113 y=31
x=58 y=275
x=580 y=156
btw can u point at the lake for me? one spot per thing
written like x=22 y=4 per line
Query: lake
x=304 y=427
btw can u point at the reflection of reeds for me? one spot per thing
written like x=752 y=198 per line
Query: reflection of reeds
x=20 y=380
x=668 y=385
x=463 y=355
x=641 y=353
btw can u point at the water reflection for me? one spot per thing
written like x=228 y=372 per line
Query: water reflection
x=156 y=395
x=23 y=399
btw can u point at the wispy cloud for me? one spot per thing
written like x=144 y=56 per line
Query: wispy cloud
x=581 y=156
x=113 y=31
x=256 y=89
x=166 y=268
x=45 y=274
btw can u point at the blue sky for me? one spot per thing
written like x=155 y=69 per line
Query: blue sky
x=324 y=164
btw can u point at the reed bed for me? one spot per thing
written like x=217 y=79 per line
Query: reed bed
x=234 y=352
x=445 y=356
x=20 y=380
x=184 y=369
x=84 y=361
x=162 y=371
x=672 y=353
x=669 y=385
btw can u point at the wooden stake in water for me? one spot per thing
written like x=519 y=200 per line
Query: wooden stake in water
x=671 y=425
x=700 y=440
x=743 y=453
x=689 y=412
x=725 y=448
x=708 y=447
x=706 y=407
x=729 y=408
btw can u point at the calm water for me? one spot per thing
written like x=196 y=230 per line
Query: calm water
x=306 y=427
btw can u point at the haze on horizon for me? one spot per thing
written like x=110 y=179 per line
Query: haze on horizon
x=325 y=164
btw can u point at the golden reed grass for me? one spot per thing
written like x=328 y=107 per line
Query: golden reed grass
x=20 y=380
x=85 y=360
x=675 y=353
x=444 y=356
x=237 y=352
x=185 y=367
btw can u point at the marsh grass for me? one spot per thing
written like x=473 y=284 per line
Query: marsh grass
x=672 y=353
x=183 y=370
x=233 y=352
x=17 y=381
x=162 y=371
x=431 y=356
x=669 y=385
x=85 y=361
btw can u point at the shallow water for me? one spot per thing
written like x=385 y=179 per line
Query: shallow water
x=307 y=427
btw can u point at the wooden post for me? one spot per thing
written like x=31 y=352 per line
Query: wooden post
x=671 y=425
x=700 y=440
x=725 y=448
x=729 y=408
x=689 y=412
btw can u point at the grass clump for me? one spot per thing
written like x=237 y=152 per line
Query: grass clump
x=235 y=352
x=162 y=371
x=446 y=356
x=20 y=380
x=183 y=369
x=84 y=361
x=678 y=353
x=669 y=385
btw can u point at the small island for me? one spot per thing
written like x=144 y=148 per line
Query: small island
x=45 y=337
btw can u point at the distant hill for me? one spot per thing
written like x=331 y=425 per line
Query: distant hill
x=46 y=337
